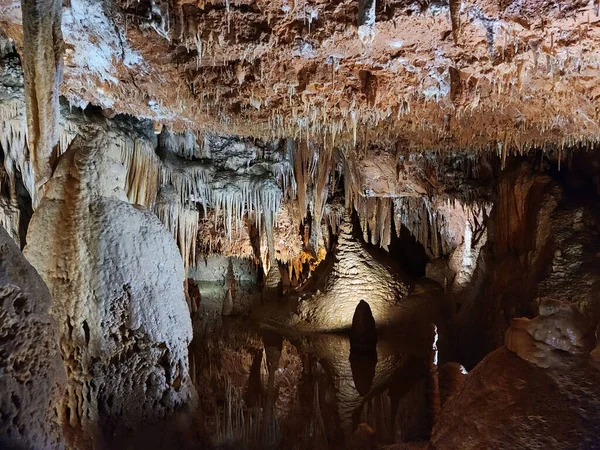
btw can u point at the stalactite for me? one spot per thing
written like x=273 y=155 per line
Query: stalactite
x=384 y=219
x=284 y=171
x=455 y=19
x=366 y=20
x=183 y=144
x=67 y=132
x=323 y=170
x=42 y=67
x=300 y=176
x=181 y=221
x=143 y=169
x=13 y=140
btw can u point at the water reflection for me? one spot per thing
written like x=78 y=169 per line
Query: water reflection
x=262 y=389
x=363 y=370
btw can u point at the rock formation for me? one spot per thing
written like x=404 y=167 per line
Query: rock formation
x=42 y=64
x=363 y=333
x=123 y=320
x=329 y=300
x=417 y=172
x=32 y=378
x=544 y=395
x=304 y=69
x=542 y=237
x=558 y=330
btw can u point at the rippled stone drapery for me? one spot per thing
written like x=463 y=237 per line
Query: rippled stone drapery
x=42 y=65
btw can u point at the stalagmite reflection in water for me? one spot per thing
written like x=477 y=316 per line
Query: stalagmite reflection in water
x=262 y=389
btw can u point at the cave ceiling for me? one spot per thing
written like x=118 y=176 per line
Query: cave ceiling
x=476 y=74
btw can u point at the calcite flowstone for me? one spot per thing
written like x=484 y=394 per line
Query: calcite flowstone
x=117 y=280
x=32 y=378
x=559 y=330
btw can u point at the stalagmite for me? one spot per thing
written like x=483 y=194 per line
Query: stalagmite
x=121 y=310
x=354 y=275
x=42 y=66
x=363 y=334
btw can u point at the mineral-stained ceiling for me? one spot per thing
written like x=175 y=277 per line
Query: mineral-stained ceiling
x=505 y=75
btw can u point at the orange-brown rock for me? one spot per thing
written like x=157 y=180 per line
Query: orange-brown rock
x=509 y=403
x=560 y=329
x=426 y=75
x=542 y=240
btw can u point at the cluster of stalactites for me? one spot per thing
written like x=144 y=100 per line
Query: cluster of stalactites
x=13 y=140
x=143 y=169
x=185 y=144
x=195 y=182
x=236 y=200
x=182 y=221
x=437 y=224
x=425 y=222
x=375 y=214
x=315 y=181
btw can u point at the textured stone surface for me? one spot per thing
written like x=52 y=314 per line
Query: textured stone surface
x=42 y=65
x=32 y=378
x=509 y=403
x=543 y=240
x=117 y=281
x=451 y=378
x=544 y=340
x=284 y=67
x=329 y=299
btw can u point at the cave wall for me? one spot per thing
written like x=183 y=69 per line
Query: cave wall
x=32 y=378
x=540 y=389
x=542 y=241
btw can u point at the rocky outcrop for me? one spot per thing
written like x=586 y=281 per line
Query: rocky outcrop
x=32 y=379
x=540 y=391
x=560 y=329
x=117 y=280
x=506 y=402
x=451 y=378
x=542 y=242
